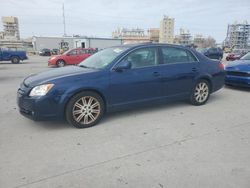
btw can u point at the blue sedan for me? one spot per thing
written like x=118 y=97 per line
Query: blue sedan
x=119 y=78
x=238 y=72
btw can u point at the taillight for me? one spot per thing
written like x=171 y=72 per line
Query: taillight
x=222 y=66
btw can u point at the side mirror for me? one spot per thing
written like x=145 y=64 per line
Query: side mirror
x=125 y=65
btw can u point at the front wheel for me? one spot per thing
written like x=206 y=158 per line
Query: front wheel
x=200 y=93
x=85 y=109
x=60 y=63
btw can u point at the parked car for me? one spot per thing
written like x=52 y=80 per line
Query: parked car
x=119 y=78
x=71 y=57
x=45 y=52
x=55 y=51
x=233 y=56
x=15 y=56
x=238 y=72
x=212 y=53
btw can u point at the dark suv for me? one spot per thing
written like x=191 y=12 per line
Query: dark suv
x=45 y=52
x=212 y=53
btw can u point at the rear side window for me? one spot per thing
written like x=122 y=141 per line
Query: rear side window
x=177 y=55
x=82 y=51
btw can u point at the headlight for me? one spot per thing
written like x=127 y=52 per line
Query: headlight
x=40 y=90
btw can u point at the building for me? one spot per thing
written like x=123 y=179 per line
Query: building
x=238 y=35
x=73 y=42
x=131 y=35
x=199 y=41
x=184 y=38
x=11 y=28
x=1 y=35
x=167 y=30
x=154 y=34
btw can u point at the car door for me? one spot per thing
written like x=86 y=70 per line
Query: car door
x=72 y=57
x=179 y=69
x=142 y=82
x=84 y=54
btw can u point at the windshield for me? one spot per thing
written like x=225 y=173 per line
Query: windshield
x=103 y=58
x=65 y=53
x=246 y=57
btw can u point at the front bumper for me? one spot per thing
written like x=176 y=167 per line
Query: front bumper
x=51 y=62
x=237 y=81
x=42 y=108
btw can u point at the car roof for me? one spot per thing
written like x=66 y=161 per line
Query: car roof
x=151 y=45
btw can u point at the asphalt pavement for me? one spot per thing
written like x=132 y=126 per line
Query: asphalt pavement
x=168 y=145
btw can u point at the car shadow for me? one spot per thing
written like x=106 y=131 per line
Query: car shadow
x=53 y=125
x=141 y=110
x=156 y=107
x=9 y=63
x=244 y=89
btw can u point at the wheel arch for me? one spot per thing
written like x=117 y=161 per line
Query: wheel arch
x=208 y=79
x=61 y=59
x=86 y=89
x=15 y=56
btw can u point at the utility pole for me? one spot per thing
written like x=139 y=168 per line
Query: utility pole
x=64 y=25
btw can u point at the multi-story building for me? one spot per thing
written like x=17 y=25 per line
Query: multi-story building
x=154 y=34
x=184 y=38
x=167 y=30
x=131 y=35
x=238 y=35
x=11 y=28
x=199 y=41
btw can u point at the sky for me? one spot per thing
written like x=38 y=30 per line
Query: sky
x=100 y=17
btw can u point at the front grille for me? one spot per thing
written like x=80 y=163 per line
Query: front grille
x=238 y=73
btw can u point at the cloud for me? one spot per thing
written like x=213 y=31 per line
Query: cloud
x=101 y=17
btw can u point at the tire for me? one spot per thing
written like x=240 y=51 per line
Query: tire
x=200 y=93
x=60 y=63
x=15 y=60
x=81 y=113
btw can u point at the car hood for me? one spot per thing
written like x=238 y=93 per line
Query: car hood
x=48 y=76
x=239 y=65
x=55 y=56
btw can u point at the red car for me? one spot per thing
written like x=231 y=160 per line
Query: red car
x=71 y=57
x=233 y=56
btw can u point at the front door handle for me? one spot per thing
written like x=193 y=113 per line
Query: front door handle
x=156 y=74
x=194 y=69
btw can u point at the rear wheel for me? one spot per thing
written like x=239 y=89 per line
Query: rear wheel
x=60 y=63
x=85 y=109
x=200 y=93
x=15 y=60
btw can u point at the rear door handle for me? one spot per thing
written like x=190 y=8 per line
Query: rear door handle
x=156 y=74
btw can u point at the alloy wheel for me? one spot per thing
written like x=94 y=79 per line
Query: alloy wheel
x=86 y=110
x=60 y=63
x=201 y=92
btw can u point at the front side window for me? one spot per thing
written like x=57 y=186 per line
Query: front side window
x=143 y=58
x=176 y=55
x=73 y=52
